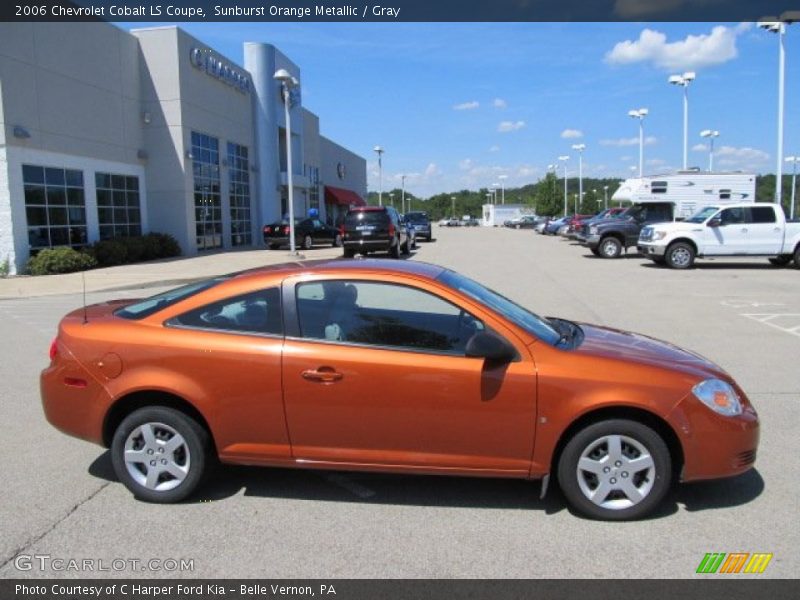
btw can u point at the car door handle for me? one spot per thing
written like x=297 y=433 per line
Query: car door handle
x=322 y=374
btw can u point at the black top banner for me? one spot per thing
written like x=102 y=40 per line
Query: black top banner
x=399 y=10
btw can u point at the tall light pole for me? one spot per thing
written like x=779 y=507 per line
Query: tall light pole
x=379 y=151
x=403 y=194
x=684 y=81
x=502 y=179
x=605 y=197
x=453 y=204
x=564 y=159
x=773 y=25
x=288 y=83
x=580 y=148
x=794 y=160
x=640 y=114
x=391 y=199
x=710 y=134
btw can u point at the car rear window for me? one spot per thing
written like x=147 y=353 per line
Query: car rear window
x=371 y=217
x=417 y=217
x=153 y=304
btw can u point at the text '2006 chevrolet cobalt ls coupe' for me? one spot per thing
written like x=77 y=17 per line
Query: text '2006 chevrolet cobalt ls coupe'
x=386 y=366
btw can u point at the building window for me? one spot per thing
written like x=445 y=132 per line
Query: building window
x=55 y=207
x=207 y=198
x=313 y=198
x=724 y=194
x=239 y=195
x=659 y=187
x=118 y=207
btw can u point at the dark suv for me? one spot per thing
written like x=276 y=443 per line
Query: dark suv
x=421 y=224
x=374 y=229
x=609 y=237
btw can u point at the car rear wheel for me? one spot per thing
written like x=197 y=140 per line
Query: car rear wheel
x=337 y=241
x=160 y=454
x=615 y=470
x=406 y=248
x=274 y=246
x=680 y=255
x=308 y=242
x=349 y=253
x=610 y=247
x=797 y=257
x=394 y=249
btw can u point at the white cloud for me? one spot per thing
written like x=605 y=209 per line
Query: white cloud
x=656 y=162
x=499 y=103
x=633 y=141
x=506 y=126
x=466 y=164
x=494 y=149
x=467 y=105
x=693 y=52
x=744 y=157
x=431 y=171
x=699 y=148
x=626 y=158
x=569 y=134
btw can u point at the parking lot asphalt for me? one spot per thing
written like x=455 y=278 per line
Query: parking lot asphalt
x=60 y=497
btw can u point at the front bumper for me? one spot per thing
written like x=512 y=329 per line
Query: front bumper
x=650 y=249
x=593 y=241
x=715 y=446
x=367 y=244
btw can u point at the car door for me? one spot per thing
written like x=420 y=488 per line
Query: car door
x=725 y=233
x=374 y=373
x=321 y=232
x=764 y=234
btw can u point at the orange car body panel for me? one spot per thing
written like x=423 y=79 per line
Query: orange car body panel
x=392 y=409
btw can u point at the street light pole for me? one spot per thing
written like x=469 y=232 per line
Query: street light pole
x=379 y=151
x=684 y=81
x=288 y=82
x=453 y=201
x=503 y=187
x=564 y=159
x=605 y=197
x=403 y=194
x=580 y=148
x=391 y=199
x=794 y=160
x=708 y=133
x=640 y=114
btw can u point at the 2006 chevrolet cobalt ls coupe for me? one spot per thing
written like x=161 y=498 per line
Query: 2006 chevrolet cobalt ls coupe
x=387 y=366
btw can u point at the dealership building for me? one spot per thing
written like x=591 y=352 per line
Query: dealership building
x=106 y=133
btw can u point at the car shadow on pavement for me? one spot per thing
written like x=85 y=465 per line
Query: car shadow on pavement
x=721 y=266
x=434 y=491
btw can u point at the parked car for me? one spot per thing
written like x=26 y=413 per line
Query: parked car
x=737 y=230
x=307 y=234
x=330 y=363
x=524 y=222
x=374 y=229
x=542 y=225
x=609 y=213
x=422 y=225
x=554 y=225
x=609 y=237
x=453 y=222
x=574 y=224
x=411 y=231
x=470 y=222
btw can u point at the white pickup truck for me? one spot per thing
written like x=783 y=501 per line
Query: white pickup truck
x=747 y=229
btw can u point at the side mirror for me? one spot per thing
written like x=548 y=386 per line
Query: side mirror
x=492 y=347
x=716 y=222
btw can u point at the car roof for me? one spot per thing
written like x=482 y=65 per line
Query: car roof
x=344 y=267
x=368 y=209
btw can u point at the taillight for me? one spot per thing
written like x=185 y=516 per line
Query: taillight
x=267 y=229
x=53 y=349
x=391 y=229
x=286 y=230
x=341 y=231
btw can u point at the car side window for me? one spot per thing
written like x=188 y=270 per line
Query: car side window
x=383 y=314
x=257 y=312
x=761 y=214
x=732 y=216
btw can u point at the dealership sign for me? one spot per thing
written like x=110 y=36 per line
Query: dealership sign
x=215 y=67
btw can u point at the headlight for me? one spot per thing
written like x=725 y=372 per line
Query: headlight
x=718 y=396
x=659 y=235
x=593 y=230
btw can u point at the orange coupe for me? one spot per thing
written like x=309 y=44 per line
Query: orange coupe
x=389 y=366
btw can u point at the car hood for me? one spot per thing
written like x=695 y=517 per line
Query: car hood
x=616 y=344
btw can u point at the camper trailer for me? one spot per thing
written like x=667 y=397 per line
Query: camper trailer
x=689 y=191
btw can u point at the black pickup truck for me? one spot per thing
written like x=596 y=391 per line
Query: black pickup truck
x=609 y=237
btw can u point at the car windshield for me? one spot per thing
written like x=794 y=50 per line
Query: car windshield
x=416 y=217
x=371 y=217
x=518 y=315
x=701 y=215
x=153 y=304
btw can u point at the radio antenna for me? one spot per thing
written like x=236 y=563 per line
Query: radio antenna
x=83 y=280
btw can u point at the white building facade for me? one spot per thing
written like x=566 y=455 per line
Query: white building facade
x=105 y=133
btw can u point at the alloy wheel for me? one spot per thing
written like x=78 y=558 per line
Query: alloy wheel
x=157 y=457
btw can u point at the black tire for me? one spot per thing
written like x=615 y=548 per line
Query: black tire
x=653 y=482
x=797 y=257
x=337 y=241
x=348 y=253
x=659 y=260
x=394 y=249
x=274 y=246
x=406 y=248
x=308 y=242
x=680 y=255
x=595 y=251
x=195 y=452
x=780 y=261
x=610 y=247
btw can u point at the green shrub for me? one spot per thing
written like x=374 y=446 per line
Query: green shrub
x=168 y=246
x=60 y=260
x=110 y=253
x=134 y=249
x=5 y=267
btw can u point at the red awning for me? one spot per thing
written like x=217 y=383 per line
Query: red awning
x=334 y=195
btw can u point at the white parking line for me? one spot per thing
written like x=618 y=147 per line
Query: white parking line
x=778 y=321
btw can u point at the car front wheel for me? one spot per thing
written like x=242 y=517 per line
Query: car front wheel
x=615 y=470
x=308 y=242
x=680 y=256
x=160 y=454
x=610 y=247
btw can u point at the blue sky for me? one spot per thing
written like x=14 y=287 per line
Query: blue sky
x=457 y=105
